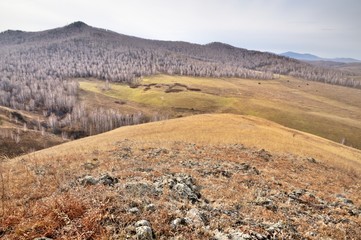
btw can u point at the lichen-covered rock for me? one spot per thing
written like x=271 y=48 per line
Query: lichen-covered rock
x=142 y=223
x=108 y=180
x=182 y=186
x=195 y=216
x=144 y=233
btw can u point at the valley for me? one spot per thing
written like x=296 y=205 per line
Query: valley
x=311 y=107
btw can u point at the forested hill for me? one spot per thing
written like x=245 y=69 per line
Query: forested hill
x=79 y=50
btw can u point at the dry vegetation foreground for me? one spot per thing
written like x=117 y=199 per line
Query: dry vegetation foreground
x=199 y=177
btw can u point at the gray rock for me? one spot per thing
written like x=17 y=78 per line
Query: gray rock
x=150 y=207
x=311 y=234
x=142 y=223
x=108 y=180
x=144 y=233
x=260 y=236
x=220 y=236
x=233 y=235
x=43 y=238
x=264 y=154
x=275 y=227
x=195 y=216
x=340 y=196
x=245 y=236
x=141 y=188
x=181 y=186
x=262 y=201
x=88 y=180
x=348 y=201
x=183 y=190
x=180 y=221
x=299 y=192
x=134 y=210
x=354 y=212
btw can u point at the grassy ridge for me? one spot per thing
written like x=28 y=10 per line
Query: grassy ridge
x=213 y=129
x=328 y=111
x=44 y=193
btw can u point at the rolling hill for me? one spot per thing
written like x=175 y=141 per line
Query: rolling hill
x=214 y=176
x=306 y=106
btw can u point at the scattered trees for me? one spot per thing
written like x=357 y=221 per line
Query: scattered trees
x=37 y=70
x=82 y=51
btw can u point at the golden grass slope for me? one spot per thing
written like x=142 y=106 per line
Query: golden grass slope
x=217 y=129
x=42 y=195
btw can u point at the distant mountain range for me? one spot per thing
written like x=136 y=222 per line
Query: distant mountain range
x=310 y=57
x=79 y=50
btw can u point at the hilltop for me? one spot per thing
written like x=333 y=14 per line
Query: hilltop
x=216 y=176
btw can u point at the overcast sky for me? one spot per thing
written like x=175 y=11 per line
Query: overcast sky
x=328 y=28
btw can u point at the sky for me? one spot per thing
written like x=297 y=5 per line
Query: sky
x=327 y=28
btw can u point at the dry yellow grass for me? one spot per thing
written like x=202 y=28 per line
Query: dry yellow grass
x=220 y=129
x=40 y=194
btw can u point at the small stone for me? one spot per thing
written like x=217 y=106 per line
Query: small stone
x=299 y=192
x=220 y=235
x=134 y=210
x=311 y=160
x=262 y=201
x=150 y=207
x=340 y=196
x=260 y=236
x=181 y=221
x=354 y=212
x=275 y=227
x=108 y=180
x=347 y=201
x=246 y=236
x=144 y=233
x=88 y=180
x=43 y=238
x=142 y=223
x=264 y=154
x=311 y=234
x=195 y=216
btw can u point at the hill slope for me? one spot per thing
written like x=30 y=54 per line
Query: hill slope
x=79 y=50
x=198 y=177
